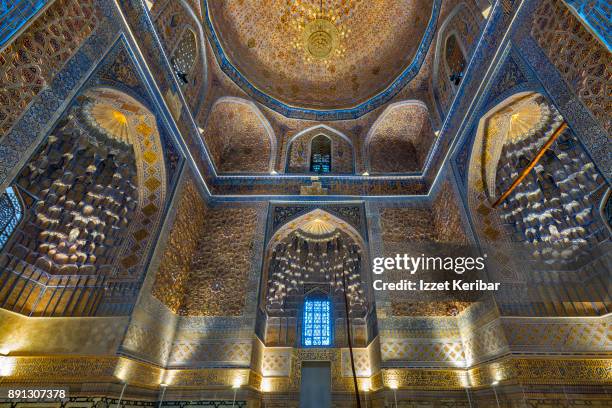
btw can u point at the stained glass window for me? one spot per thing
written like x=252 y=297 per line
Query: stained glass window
x=320 y=155
x=14 y=14
x=10 y=214
x=184 y=56
x=317 y=323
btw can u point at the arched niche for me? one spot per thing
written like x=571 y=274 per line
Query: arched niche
x=551 y=220
x=299 y=151
x=455 y=60
x=93 y=196
x=454 y=44
x=400 y=139
x=184 y=58
x=320 y=154
x=178 y=27
x=305 y=258
x=239 y=138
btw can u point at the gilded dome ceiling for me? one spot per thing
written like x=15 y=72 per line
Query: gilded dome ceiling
x=326 y=54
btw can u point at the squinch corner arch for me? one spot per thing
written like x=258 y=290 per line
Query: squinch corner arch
x=95 y=191
x=400 y=139
x=239 y=137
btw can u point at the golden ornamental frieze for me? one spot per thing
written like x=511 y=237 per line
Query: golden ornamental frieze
x=65 y=369
x=211 y=377
x=564 y=371
x=429 y=379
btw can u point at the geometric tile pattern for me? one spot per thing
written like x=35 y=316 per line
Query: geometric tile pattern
x=557 y=336
x=146 y=342
x=464 y=24
x=145 y=138
x=173 y=20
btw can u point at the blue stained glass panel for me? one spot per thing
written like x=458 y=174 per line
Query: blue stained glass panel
x=14 y=14
x=320 y=155
x=10 y=214
x=317 y=328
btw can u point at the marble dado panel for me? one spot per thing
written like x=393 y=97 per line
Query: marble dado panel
x=586 y=335
x=484 y=342
x=361 y=357
x=276 y=361
x=150 y=334
x=423 y=352
x=51 y=335
x=212 y=342
x=211 y=353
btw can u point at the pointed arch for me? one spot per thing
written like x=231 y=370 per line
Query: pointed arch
x=400 y=139
x=283 y=231
x=298 y=151
x=183 y=15
x=316 y=252
x=184 y=56
x=320 y=154
x=239 y=137
x=464 y=25
x=318 y=214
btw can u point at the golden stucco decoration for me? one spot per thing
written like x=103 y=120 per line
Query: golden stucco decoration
x=113 y=121
x=321 y=38
x=318 y=227
x=320 y=56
